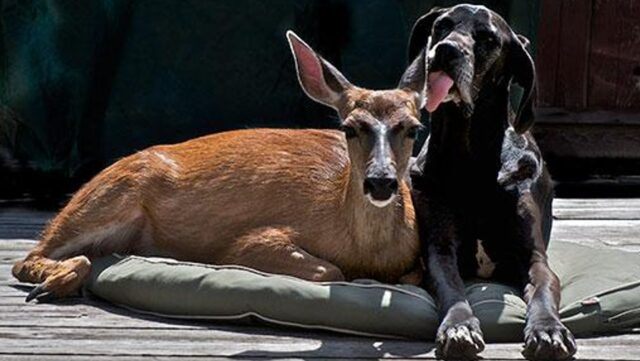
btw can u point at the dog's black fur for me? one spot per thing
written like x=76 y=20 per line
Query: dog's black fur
x=481 y=177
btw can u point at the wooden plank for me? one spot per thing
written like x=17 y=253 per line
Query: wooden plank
x=547 y=54
x=15 y=231
x=13 y=250
x=82 y=316
x=32 y=357
x=21 y=222
x=571 y=88
x=621 y=234
x=5 y=272
x=41 y=216
x=20 y=214
x=129 y=321
x=597 y=203
x=10 y=292
x=88 y=312
x=94 y=338
x=16 y=244
x=614 y=209
x=628 y=66
x=213 y=342
x=9 y=257
x=604 y=54
x=86 y=327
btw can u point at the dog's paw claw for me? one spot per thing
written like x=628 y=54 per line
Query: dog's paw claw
x=548 y=341
x=460 y=341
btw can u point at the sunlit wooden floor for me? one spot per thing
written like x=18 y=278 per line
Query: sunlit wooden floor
x=83 y=328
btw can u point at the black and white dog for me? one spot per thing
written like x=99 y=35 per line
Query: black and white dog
x=482 y=193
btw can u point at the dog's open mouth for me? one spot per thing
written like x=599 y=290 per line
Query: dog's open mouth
x=441 y=88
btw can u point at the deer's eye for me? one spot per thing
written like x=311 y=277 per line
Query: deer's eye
x=349 y=131
x=413 y=132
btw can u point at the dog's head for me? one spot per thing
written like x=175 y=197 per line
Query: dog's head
x=469 y=46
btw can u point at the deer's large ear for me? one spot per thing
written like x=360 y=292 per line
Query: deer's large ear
x=422 y=30
x=414 y=78
x=320 y=80
x=523 y=72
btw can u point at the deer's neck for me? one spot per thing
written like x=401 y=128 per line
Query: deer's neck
x=377 y=224
x=368 y=241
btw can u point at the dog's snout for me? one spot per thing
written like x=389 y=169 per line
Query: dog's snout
x=380 y=188
x=447 y=52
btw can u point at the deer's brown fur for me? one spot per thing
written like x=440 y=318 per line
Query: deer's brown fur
x=281 y=201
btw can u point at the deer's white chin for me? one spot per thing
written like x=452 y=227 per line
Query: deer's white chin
x=381 y=204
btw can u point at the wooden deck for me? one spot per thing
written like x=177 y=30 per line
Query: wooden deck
x=82 y=328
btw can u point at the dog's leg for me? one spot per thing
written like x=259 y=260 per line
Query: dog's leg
x=546 y=338
x=272 y=250
x=459 y=335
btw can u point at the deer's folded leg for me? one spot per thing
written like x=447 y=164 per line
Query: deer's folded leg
x=272 y=250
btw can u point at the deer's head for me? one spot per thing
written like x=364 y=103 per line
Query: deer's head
x=380 y=126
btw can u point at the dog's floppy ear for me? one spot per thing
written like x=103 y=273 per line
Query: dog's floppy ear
x=422 y=30
x=524 y=40
x=523 y=72
x=414 y=78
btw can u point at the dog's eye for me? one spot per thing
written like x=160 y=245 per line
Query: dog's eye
x=349 y=131
x=486 y=37
x=443 y=25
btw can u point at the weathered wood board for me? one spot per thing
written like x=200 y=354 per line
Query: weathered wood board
x=81 y=328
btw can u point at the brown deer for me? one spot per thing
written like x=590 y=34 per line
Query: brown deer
x=322 y=205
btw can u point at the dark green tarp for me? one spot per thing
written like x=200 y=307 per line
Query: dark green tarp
x=83 y=83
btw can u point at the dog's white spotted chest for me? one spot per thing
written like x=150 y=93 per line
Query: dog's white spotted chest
x=485 y=265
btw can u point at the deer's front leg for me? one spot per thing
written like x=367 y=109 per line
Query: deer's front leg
x=273 y=250
x=546 y=338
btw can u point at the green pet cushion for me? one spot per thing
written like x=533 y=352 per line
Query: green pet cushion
x=600 y=294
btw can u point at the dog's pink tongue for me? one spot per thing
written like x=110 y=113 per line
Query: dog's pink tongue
x=437 y=89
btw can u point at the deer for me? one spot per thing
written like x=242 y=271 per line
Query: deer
x=320 y=205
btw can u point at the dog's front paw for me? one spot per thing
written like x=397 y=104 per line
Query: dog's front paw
x=548 y=340
x=459 y=340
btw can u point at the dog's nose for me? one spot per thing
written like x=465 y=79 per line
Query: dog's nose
x=380 y=188
x=446 y=52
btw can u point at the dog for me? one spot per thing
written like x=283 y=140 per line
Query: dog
x=482 y=193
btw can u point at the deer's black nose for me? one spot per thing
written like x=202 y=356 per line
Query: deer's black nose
x=380 y=189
